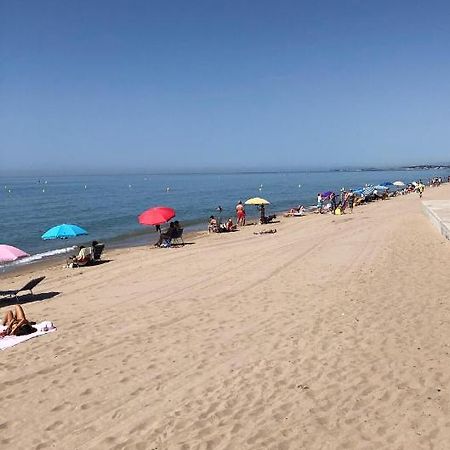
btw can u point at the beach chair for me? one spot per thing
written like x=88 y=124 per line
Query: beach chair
x=267 y=219
x=177 y=238
x=97 y=251
x=28 y=287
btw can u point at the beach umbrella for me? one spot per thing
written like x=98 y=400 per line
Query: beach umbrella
x=156 y=215
x=368 y=190
x=257 y=201
x=398 y=183
x=381 y=187
x=388 y=183
x=326 y=194
x=10 y=253
x=63 y=231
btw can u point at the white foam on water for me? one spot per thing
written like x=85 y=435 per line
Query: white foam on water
x=38 y=257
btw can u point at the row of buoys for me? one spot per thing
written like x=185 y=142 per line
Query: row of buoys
x=130 y=186
x=261 y=186
x=85 y=187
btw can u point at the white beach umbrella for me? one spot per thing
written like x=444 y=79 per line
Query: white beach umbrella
x=398 y=183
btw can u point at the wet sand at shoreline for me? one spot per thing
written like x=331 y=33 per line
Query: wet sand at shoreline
x=331 y=333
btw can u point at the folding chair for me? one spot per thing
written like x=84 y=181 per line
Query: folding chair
x=177 y=238
x=97 y=251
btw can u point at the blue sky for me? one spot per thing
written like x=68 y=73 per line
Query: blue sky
x=148 y=86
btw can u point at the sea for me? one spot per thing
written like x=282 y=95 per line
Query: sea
x=107 y=206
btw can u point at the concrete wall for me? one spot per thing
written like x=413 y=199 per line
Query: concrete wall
x=438 y=211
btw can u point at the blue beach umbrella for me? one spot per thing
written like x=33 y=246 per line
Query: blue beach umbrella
x=368 y=190
x=63 y=231
x=358 y=191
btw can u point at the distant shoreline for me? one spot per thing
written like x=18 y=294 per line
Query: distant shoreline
x=42 y=174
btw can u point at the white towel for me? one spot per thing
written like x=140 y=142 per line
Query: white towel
x=10 y=341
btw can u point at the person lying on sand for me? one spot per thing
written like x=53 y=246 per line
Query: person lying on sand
x=299 y=211
x=16 y=323
x=266 y=231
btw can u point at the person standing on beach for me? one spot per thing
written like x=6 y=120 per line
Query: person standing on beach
x=420 y=188
x=240 y=214
x=319 y=203
x=342 y=196
x=350 y=200
x=262 y=210
x=333 y=202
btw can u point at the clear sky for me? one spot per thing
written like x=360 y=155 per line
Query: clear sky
x=145 y=85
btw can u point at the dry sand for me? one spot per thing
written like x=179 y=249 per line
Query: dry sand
x=332 y=333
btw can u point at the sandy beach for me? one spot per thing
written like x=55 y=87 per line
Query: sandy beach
x=332 y=333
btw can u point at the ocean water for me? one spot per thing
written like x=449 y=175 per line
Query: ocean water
x=107 y=206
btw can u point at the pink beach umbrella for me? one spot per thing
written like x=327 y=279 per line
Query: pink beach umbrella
x=10 y=253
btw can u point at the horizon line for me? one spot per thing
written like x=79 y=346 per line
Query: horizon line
x=213 y=171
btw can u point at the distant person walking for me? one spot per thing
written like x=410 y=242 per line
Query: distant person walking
x=420 y=188
x=240 y=214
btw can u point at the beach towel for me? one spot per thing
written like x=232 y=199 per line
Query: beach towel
x=11 y=341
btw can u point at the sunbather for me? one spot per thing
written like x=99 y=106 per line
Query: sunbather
x=230 y=226
x=266 y=231
x=84 y=256
x=299 y=211
x=16 y=323
x=213 y=226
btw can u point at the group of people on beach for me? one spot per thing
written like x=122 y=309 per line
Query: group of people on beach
x=214 y=225
x=337 y=205
x=330 y=202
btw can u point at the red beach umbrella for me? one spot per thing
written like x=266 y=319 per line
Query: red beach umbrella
x=156 y=215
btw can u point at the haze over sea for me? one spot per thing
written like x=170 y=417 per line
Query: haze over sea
x=107 y=206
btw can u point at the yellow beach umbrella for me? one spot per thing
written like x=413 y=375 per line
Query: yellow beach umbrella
x=257 y=201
